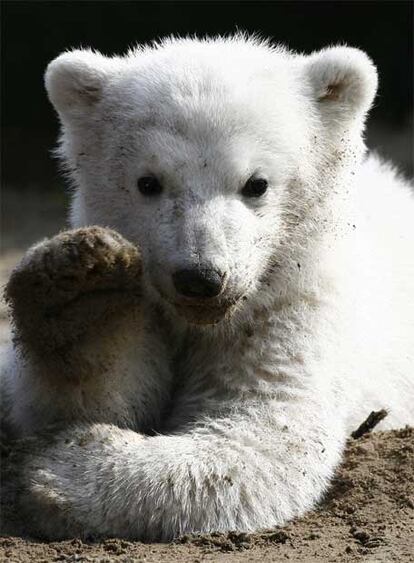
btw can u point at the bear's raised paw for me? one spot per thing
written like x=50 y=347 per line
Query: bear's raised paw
x=70 y=281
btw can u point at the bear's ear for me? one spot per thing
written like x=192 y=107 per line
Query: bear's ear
x=75 y=81
x=343 y=83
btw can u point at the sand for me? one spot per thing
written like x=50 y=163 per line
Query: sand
x=368 y=515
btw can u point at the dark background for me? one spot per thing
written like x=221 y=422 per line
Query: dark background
x=35 y=32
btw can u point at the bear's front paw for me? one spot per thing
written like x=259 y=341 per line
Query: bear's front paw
x=74 y=281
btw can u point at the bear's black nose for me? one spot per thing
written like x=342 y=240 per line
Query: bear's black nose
x=198 y=282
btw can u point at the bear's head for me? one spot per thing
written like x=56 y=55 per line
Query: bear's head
x=215 y=156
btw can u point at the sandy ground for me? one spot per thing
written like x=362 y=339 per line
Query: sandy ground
x=368 y=515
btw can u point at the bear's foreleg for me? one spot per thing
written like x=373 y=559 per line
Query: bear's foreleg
x=256 y=467
x=81 y=346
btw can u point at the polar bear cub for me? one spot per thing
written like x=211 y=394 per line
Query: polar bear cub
x=235 y=296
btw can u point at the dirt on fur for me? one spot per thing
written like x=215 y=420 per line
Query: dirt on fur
x=368 y=515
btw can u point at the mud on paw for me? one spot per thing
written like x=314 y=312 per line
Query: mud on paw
x=68 y=282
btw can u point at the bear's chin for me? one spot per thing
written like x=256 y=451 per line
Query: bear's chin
x=204 y=313
x=201 y=312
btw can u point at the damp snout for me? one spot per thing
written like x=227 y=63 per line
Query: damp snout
x=199 y=282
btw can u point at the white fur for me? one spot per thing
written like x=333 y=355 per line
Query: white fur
x=319 y=270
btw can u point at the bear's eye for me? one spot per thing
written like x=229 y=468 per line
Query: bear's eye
x=254 y=187
x=149 y=186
